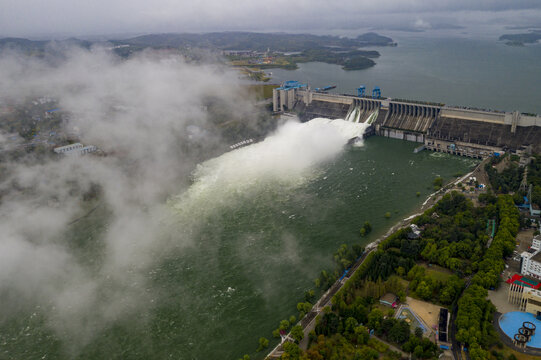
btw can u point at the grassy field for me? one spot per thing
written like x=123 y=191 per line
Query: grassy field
x=507 y=351
x=261 y=91
x=437 y=272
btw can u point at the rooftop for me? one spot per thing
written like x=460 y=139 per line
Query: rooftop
x=537 y=257
x=388 y=298
x=524 y=281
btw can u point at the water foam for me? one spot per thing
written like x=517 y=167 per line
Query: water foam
x=288 y=158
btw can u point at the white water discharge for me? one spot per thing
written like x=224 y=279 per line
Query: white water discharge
x=356 y=115
x=372 y=117
x=289 y=158
x=353 y=114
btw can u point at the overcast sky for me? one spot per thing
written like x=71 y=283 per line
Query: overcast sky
x=58 y=18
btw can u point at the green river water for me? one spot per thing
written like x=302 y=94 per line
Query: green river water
x=258 y=246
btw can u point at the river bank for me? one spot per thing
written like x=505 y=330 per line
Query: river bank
x=308 y=322
x=430 y=201
x=259 y=242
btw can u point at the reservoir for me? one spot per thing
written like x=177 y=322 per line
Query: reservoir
x=261 y=228
x=480 y=73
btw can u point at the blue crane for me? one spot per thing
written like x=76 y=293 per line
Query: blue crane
x=376 y=93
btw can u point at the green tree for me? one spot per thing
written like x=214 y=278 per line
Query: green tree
x=375 y=318
x=361 y=334
x=297 y=333
x=424 y=290
x=438 y=183
x=400 y=332
x=418 y=332
x=263 y=343
x=401 y=296
x=284 y=325
x=303 y=308
x=309 y=295
x=350 y=325
x=418 y=351
x=366 y=353
x=367 y=227
x=291 y=351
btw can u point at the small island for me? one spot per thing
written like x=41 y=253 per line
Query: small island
x=251 y=53
x=521 y=39
x=288 y=50
x=350 y=60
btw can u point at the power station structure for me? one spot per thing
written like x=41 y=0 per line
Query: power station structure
x=461 y=131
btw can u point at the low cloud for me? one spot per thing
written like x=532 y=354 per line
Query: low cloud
x=62 y=18
x=143 y=113
x=148 y=114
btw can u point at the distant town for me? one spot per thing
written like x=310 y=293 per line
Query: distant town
x=38 y=125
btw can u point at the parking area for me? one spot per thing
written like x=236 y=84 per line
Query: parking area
x=499 y=298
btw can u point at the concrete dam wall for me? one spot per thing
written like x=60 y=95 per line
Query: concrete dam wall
x=467 y=132
x=318 y=108
x=336 y=109
x=406 y=121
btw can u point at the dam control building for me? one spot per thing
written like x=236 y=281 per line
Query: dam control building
x=460 y=131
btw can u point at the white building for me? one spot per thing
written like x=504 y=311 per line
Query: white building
x=530 y=263
x=68 y=148
x=75 y=149
x=87 y=149
x=415 y=232
x=536 y=242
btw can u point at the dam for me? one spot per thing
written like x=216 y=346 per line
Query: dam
x=460 y=131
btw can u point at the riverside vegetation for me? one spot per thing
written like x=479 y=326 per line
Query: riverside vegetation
x=506 y=174
x=453 y=237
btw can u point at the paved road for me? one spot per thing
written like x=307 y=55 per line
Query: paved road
x=392 y=347
x=308 y=322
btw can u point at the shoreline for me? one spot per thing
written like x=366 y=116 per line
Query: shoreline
x=325 y=298
x=428 y=203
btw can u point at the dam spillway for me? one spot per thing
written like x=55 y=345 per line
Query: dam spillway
x=461 y=131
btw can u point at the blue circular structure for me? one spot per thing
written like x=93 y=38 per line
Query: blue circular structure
x=512 y=322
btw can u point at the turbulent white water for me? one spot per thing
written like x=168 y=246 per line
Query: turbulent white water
x=355 y=114
x=372 y=117
x=289 y=157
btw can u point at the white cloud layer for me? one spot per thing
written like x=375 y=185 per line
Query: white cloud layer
x=143 y=112
x=137 y=110
x=33 y=17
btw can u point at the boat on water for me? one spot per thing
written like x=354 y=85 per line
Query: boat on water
x=326 y=88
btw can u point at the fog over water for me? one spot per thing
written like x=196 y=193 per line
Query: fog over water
x=180 y=257
x=138 y=110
